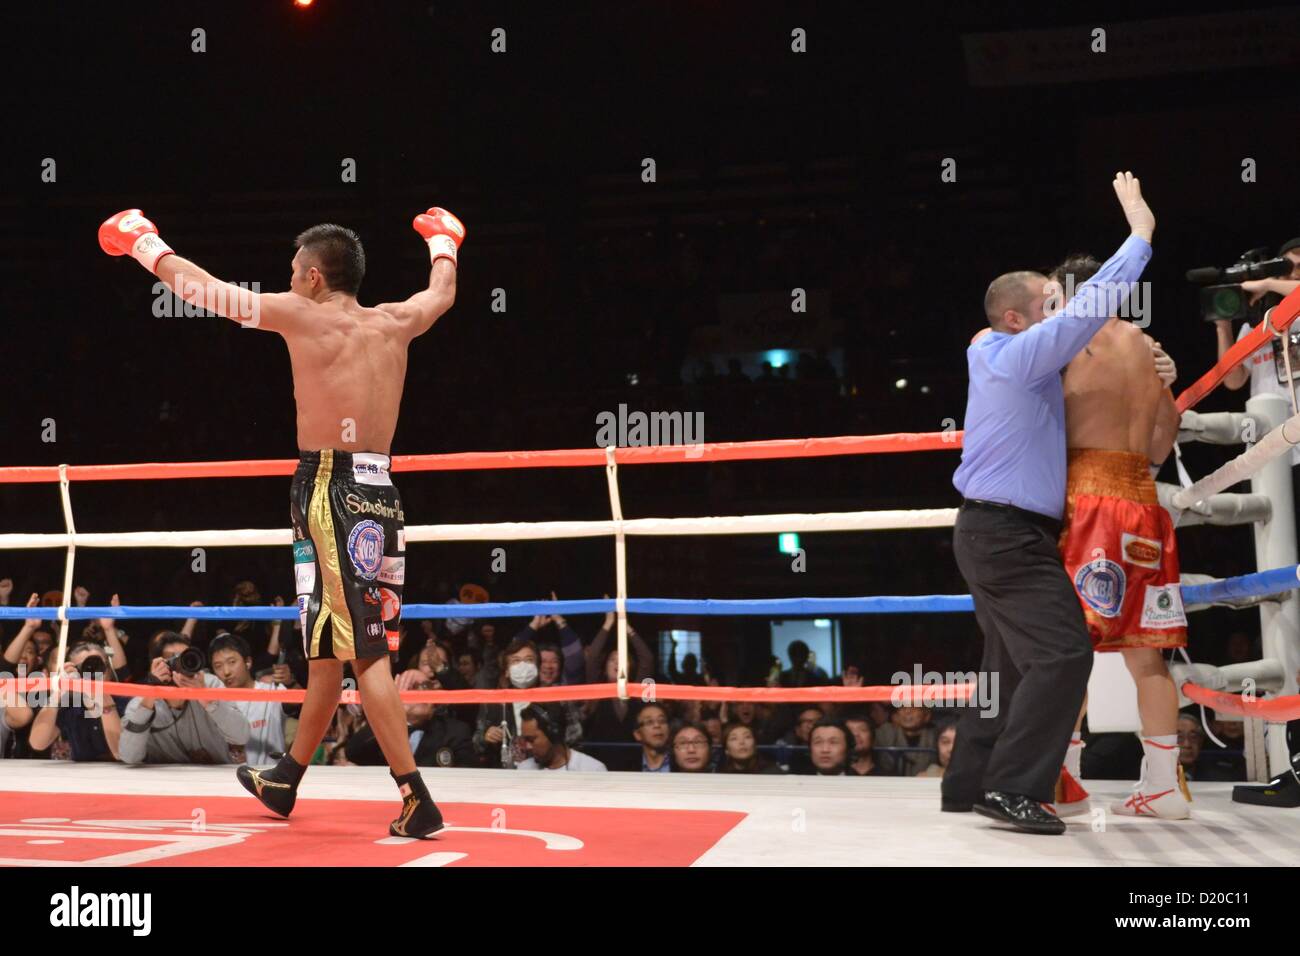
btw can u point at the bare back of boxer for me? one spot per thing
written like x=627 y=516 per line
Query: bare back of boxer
x=348 y=360
x=349 y=369
x=1113 y=398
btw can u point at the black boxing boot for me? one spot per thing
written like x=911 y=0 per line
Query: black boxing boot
x=277 y=788
x=420 y=815
x=1282 y=791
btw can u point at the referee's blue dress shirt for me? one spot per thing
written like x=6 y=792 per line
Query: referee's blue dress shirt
x=1013 y=451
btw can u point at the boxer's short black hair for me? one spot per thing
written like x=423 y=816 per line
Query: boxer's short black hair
x=338 y=254
x=1080 y=265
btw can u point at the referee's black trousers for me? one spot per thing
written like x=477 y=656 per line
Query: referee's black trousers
x=1037 y=645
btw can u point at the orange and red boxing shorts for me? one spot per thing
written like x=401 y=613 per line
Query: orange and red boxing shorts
x=1118 y=546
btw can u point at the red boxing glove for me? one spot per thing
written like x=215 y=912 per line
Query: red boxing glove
x=442 y=231
x=129 y=233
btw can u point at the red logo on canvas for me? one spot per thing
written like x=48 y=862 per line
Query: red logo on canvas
x=72 y=829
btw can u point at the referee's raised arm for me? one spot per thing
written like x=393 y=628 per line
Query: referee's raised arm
x=1052 y=344
x=1015 y=408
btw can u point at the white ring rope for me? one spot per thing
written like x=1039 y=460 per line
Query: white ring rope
x=1278 y=442
x=514 y=530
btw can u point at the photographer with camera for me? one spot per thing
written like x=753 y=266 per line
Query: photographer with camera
x=78 y=725
x=180 y=731
x=1265 y=368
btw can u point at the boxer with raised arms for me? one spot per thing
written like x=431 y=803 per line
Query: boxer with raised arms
x=349 y=368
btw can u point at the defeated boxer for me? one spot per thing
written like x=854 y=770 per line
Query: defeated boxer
x=1117 y=542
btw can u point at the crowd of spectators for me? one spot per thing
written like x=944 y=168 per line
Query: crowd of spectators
x=638 y=734
x=634 y=734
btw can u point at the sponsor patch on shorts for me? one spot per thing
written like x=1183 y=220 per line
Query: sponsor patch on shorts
x=393 y=571
x=1144 y=552
x=392 y=604
x=370 y=469
x=1101 y=585
x=1162 y=607
x=304 y=573
x=305 y=578
x=366 y=548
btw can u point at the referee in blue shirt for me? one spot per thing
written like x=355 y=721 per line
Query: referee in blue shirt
x=1012 y=480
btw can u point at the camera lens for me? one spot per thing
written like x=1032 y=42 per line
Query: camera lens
x=93 y=666
x=1227 y=302
x=189 y=662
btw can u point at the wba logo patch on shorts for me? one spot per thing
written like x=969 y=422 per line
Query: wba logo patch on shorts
x=366 y=549
x=1162 y=608
x=1101 y=585
x=1144 y=552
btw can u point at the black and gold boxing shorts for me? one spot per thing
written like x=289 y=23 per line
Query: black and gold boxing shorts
x=349 y=554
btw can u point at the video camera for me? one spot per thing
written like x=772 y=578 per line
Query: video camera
x=1224 y=299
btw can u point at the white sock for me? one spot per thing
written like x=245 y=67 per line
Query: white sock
x=1161 y=764
x=1074 y=755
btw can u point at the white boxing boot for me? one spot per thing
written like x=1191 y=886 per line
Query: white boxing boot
x=1162 y=791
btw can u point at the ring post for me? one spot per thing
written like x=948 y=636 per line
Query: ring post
x=1275 y=547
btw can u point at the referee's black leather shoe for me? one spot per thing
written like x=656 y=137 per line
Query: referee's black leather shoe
x=1018 y=811
x=1282 y=791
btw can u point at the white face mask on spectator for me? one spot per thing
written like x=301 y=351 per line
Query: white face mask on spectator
x=523 y=673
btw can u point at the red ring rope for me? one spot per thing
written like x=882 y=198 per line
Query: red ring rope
x=1281 y=709
x=556 y=458
x=905 y=694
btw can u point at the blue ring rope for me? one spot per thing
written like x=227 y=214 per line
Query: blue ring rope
x=1246 y=586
